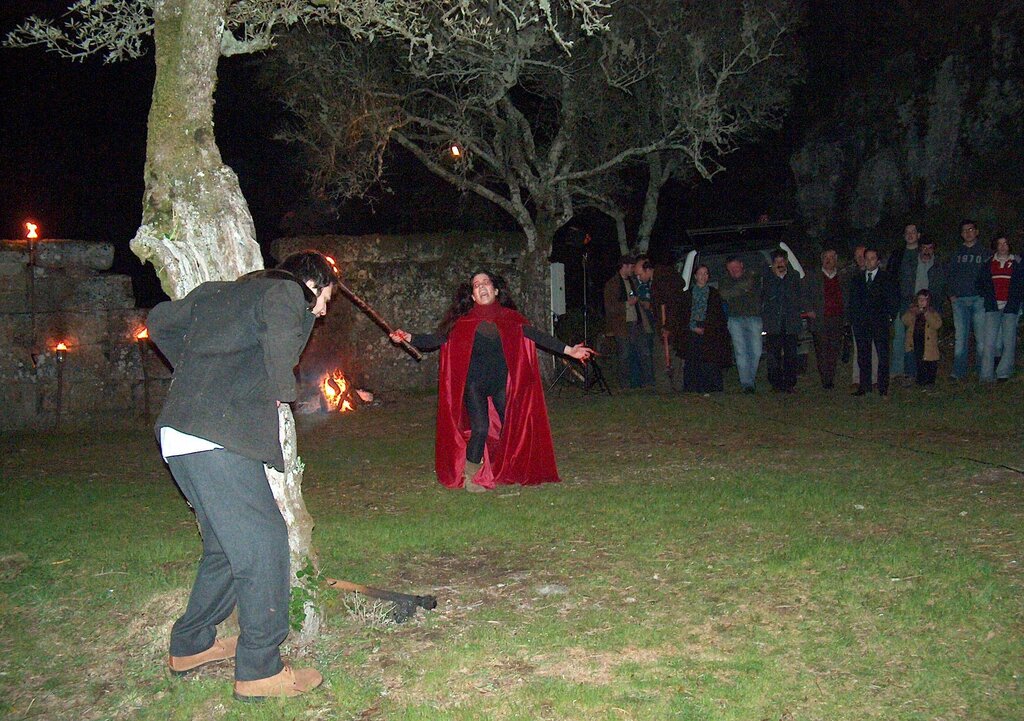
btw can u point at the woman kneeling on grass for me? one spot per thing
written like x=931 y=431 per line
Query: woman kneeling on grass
x=492 y=422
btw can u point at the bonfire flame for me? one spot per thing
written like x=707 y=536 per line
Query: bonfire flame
x=336 y=392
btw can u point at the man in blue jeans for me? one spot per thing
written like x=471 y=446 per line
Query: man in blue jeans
x=741 y=292
x=1001 y=285
x=902 y=267
x=968 y=305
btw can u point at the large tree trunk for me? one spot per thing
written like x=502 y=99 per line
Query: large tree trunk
x=196 y=225
x=536 y=292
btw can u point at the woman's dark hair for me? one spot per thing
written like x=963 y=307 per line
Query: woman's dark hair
x=1000 y=235
x=300 y=267
x=462 y=301
x=310 y=265
x=924 y=293
x=278 y=274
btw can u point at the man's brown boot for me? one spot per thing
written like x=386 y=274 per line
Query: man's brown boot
x=220 y=650
x=468 y=474
x=285 y=684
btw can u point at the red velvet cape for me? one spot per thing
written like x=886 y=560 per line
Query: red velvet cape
x=520 y=449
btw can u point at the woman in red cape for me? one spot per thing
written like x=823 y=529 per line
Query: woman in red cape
x=492 y=422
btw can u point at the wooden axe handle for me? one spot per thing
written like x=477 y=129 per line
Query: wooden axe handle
x=427 y=602
x=664 y=342
x=376 y=318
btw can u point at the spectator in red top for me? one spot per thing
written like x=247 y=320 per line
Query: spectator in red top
x=827 y=315
x=1001 y=287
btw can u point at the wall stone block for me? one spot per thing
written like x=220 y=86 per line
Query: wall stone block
x=61 y=253
x=409 y=281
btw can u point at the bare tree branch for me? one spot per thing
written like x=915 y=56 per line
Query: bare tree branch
x=544 y=130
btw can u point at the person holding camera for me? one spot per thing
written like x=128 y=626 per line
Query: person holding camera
x=622 y=322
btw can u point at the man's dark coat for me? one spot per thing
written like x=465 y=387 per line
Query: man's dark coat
x=233 y=347
x=874 y=304
x=782 y=299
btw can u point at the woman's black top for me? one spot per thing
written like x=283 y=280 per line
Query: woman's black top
x=487 y=360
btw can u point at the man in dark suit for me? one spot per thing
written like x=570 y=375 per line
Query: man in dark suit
x=234 y=347
x=872 y=308
x=782 y=301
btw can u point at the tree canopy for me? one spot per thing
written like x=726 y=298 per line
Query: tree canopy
x=668 y=87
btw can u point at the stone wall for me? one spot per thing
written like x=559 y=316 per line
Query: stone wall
x=410 y=281
x=56 y=291
x=62 y=290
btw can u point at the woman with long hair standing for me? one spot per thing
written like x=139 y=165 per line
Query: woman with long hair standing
x=705 y=343
x=492 y=422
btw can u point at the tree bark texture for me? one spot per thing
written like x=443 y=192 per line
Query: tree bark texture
x=196 y=225
x=658 y=173
x=287 y=487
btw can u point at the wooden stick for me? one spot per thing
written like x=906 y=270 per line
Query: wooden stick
x=664 y=340
x=376 y=318
x=427 y=602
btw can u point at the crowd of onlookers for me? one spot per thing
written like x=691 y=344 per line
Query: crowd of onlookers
x=881 y=313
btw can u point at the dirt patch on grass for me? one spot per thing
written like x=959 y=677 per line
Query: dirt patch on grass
x=107 y=669
x=996 y=477
x=12 y=565
x=585 y=666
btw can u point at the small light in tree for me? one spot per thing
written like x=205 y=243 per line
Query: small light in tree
x=456 y=150
x=32 y=229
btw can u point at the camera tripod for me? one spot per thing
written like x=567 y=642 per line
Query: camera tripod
x=589 y=375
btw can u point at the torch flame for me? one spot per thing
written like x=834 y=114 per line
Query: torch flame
x=142 y=333
x=32 y=228
x=456 y=150
x=62 y=346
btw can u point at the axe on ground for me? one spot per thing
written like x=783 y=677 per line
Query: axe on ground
x=405 y=604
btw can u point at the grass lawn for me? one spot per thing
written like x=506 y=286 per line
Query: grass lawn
x=763 y=558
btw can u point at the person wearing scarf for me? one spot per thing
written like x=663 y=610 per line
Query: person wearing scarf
x=706 y=346
x=492 y=422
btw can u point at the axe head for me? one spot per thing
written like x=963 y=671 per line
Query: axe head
x=402 y=611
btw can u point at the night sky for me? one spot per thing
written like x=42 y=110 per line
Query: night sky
x=74 y=145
